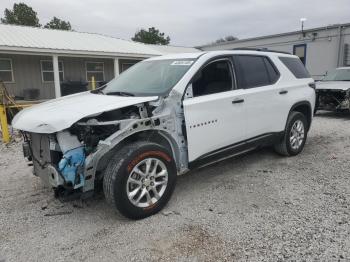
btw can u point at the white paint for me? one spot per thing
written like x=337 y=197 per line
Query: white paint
x=116 y=67
x=59 y=114
x=56 y=76
x=264 y=109
x=212 y=122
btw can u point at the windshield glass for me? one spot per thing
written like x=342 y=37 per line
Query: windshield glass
x=149 y=78
x=338 y=75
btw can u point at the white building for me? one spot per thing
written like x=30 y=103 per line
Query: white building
x=320 y=49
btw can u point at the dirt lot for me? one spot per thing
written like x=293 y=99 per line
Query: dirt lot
x=257 y=207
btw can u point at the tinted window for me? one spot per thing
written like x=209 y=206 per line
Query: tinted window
x=295 y=66
x=256 y=71
x=272 y=71
x=214 y=78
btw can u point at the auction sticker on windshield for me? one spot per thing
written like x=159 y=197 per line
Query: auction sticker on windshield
x=183 y=63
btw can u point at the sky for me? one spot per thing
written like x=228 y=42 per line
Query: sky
x=190 y=22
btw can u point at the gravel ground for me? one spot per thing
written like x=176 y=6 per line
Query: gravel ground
x=256 y=207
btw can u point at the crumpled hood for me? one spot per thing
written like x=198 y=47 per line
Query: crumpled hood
x=58 y=114
x=334 y=85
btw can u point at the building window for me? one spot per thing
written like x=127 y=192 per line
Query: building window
x=47 y=74
x=6 y=72
x=300 y=51
x=96 y=70
x=126 y=66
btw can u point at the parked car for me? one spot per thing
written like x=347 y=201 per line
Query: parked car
x=333 y=91
x=166 y=116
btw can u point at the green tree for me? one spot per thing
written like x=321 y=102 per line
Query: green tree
x=152 y=36
x=57 y=23
x=226 y=39
x=21 y=14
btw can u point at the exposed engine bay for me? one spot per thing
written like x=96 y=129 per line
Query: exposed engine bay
x=333 y=99
x=72 y=160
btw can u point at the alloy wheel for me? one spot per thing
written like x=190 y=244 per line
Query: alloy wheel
x=147 y=182
x=297 y=135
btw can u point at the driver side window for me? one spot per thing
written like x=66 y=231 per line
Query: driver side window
x=216 y=77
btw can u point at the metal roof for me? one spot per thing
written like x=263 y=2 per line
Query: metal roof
x=168 y=49
x=32 y=39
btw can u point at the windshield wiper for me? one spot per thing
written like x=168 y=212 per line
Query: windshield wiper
x=98 y=90
x=119 y=93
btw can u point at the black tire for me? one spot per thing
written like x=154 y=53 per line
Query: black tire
x=117 y=174
x=284 y=147
x=317 y=103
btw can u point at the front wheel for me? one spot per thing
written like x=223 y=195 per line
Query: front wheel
x=139 y=179
x=295 y=135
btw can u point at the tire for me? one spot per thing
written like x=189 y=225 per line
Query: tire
x=285 y=146
x=317 y=103
x=121 y=179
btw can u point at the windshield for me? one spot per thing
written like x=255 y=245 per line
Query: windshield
x=149 y=78
x=338 y=75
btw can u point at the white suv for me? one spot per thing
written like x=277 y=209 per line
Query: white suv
x=165 y=116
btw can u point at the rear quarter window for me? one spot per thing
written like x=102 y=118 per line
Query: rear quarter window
x=295 y=65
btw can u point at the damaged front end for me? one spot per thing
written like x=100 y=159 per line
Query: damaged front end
x=59 y=158
x=333 y=99
x=72 y=161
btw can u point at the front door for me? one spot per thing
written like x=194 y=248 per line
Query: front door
x=213 y=113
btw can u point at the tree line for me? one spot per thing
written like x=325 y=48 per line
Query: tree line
x=22 y=14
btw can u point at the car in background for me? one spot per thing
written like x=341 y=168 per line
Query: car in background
x=333 y=91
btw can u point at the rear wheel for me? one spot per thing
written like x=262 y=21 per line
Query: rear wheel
x=140 y=179
x=294 y=136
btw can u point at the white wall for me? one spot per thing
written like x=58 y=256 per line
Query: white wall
x=321 y=53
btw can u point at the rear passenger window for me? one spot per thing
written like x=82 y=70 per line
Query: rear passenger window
x=295 y=66
x=255 y=71
x=273 y=74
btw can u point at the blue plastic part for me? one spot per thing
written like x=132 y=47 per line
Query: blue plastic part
x=71 y=165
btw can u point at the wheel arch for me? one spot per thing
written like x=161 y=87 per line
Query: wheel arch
x=305 y=108
x=156 y=136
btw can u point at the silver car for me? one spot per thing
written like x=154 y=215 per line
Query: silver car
x=333 y=91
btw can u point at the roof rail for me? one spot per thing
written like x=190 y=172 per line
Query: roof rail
x=263 y=49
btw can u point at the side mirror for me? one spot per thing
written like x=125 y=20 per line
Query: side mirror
x=189 y=91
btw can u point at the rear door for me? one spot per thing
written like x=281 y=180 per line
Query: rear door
x=213 y=110
x=264 y=100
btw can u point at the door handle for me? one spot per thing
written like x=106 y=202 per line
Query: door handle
x=283 y=92
x=237 y=101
